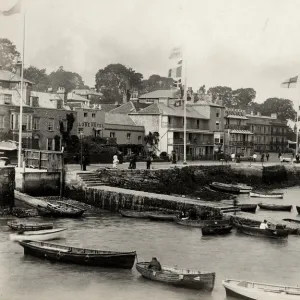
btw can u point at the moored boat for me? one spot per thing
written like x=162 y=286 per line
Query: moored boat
x=134 y=214
x=199 y=223
x=230 y=188
x=161 y=217
x=266 y=195
x=298 y=209
x=277 y=233
x=60 y=210
x=250 y=290
x=251 y=208
x=275 y=207
x=20 y=226
x=179 y=277
x=292 y=220
x=216 y=229
x=39 y=235
x=81 y=256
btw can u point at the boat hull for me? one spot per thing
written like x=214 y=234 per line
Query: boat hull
x=51 y=213
x=216 y=230
x=298 y=209
x=268 y=233
x=225 y=188
x=134 y=214
x=200 y=223
x=161 y=217
x=251 y=208
x=107 y=259
x=259 y=195
x=29 y=226
x=41 y=235
x=198 y=281
x=275 y=207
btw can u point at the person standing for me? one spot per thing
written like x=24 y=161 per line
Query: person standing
x=262 y=157
x=267 y=156
x=115 y=161
x=254 y=156
x=148 y=162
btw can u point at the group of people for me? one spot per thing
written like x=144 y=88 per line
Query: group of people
x=132 y=161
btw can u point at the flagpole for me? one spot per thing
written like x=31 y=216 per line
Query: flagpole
x=297 y=135
x=184 y=108
x=21 y=103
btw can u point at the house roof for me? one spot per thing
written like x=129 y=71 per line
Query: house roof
x=178 y=111
x=107 y=107
x=129 y=107
x=75 y=97
x=46 y=100
x=6 y=75
x=160 y=94
x=86 y=92
x=118 y=119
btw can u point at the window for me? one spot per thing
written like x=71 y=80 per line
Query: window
x=217 y=140
x=218 y=112
x=93 y=115
x=217 y=125
x=35 y=101
x=128 y=136
x=139 y=138
x=27 y=122
x=6 y=98
x=85 y=114
x=36 y=123
x=198 y=124
x=50 y=144
x=59 y=104
x=2 y=120
x=221 y=140
x=51 y=124
x=12 y=120
x=112 y=134
x=80 y=130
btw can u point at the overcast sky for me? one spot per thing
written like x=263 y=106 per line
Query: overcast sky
x=236 y=43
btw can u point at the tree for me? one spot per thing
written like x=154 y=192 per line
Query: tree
x=68 y=80
x=242 y=98
x=38 y=77
x=282 y=107
x=223 y=93
x=152 y=140
x=115 y=82
x=8 y=54
x=154 y=83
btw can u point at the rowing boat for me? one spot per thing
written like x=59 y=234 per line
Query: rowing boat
x=199 y=223
x=248 y=207
x=216 y=229
x=250 y=290
x=81 y=256
x=28 y=226
x=60 y=210
x=266 y=195
x=292 y=220
x=39 y=235
x=161 y=217
x=134 y=214
x=179 y=277
x=298 y=209
x=230 y=188
x=275 y=207
x=256 y=231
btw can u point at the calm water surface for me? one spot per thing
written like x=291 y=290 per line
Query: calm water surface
x=233 y=256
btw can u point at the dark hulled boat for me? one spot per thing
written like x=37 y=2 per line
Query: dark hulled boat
x=275 y=207
x=216 y=229
x=298 y=209
x=268 y=233
x=291 y=220
x=179 y=277
x=29 y=226
x=230 y=188
x=134 y=214
x=199 y=223
x=161 y=217
x=79 y=256
x=60 y=210
x=251 y=208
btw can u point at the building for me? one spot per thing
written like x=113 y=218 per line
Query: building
x=166 y=117
x=129 y=107
x=238 y=138
x=159 y=96
x=269 y=133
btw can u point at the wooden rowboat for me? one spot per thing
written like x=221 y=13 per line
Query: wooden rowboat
x=216 y=229
x=161 y=217
x=60 y=210
x=81 y=256
x=251 y=208
x=39 y=235
x=230 y=188
x=257 y=291
x=266 y=195
x=179 y=277
x=200 y=223
x=268 y=233
x=134 y=214
x=298 y=209
x=292 y=220
x=29 y=226
x=275 y=207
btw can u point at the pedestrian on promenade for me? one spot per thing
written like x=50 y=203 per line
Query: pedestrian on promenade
x=297 y=158
x=254 y=157
x=279 y=154
x=134 y=160
x=267 y=156
x=84 y=163
x=232 y=157
x=115 y=161
x=173 y=157
x=148 y=161
x=262 y=158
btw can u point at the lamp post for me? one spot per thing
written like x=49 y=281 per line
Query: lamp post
x=81 y=150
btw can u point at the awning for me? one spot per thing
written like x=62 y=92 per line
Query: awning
x=241 y=131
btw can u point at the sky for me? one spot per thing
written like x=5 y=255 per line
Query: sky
x=236 y=43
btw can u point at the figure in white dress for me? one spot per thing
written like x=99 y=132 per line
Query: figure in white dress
x=115 y=161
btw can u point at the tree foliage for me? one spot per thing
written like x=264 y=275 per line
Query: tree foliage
x=39 y=77
x=242 y=98
x=155 y=82
x=115 y=82
x=223 y=93
x=8 y=54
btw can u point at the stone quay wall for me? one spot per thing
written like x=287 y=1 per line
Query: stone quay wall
x=7 y=186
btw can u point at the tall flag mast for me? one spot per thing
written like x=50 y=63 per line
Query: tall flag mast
x=292 y=83
x=16 y=9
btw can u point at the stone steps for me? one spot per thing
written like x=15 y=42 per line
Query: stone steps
x=90 y=179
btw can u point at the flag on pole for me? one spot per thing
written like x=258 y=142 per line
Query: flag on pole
x=176 y=53
x=16 y=9
x=290 y=82
x=175 y=71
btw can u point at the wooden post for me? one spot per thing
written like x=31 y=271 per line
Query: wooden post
x=40 y=159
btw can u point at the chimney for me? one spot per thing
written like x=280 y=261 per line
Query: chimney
x=61 y=90
x=19 y=68
x=274 y=115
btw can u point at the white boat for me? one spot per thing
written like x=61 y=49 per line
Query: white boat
x=260 y=291
x=39 y=235
x=266 y=195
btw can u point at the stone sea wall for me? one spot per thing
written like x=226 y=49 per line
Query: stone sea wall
x=7 y=186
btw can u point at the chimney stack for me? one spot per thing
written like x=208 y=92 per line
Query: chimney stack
x=19 y=68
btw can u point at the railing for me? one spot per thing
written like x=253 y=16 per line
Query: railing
x=237 y=127
x=189 y=142
x=241 y=144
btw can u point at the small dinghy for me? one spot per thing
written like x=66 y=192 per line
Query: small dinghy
x=60 y=210
x=81 y=256
x=231 y=188
x=200 y=223
x=292 y=220
x=135 y=214
x=275 y=207
x=40 y=235
x=161 y=217
x=259 y=291
x=216 y=229
x=266 y=195
x=28 y=226
x=179 y=277
x=251 y=208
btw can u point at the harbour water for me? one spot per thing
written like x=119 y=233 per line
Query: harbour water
x=233 y=256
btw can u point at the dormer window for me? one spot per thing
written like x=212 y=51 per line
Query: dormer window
x=59 y=104
x=35 y=101
x=6 y=98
